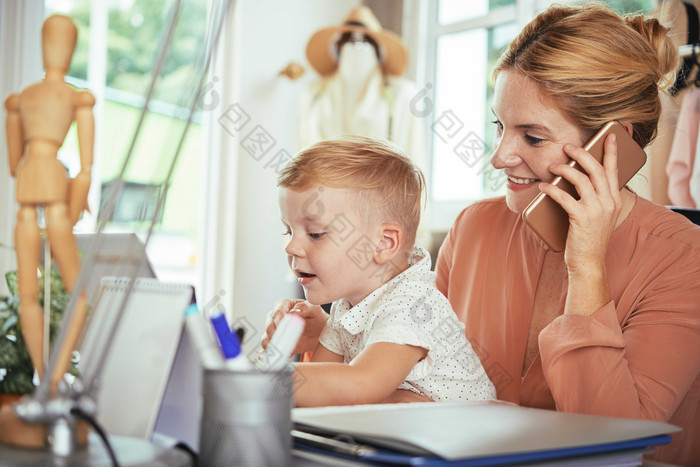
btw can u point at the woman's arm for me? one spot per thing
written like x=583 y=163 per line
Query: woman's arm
x=592 y=220
x=369 y=379
x=641 y=370
x=593 y=363
x=444 y=262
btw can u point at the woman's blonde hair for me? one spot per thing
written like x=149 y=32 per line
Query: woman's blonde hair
x=388 y=184
x=597 y=65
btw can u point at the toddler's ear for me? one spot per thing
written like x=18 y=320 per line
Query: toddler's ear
x=390 y=244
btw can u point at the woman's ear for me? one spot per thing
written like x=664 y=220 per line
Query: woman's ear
x=629 y=128
x=390 y=243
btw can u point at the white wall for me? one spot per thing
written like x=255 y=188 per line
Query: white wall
x=270 y=35
x=20 y=59
x=244 y=254
x=246 y=258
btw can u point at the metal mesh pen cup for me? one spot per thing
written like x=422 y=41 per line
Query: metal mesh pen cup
x=246 y=418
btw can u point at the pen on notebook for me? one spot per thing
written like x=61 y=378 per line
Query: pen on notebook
x=333 y=445
x=230 y=345
x=202 y=340
x=283 y=342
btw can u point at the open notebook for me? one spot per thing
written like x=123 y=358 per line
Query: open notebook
x=144 y=342
x=489 y=433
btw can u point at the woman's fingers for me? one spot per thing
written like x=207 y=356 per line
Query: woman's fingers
x=597 y=187
x=595 y=173
x=611 y=167
x=564 y=199
x=593 y=216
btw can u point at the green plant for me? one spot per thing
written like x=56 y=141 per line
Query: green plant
x=16 y=369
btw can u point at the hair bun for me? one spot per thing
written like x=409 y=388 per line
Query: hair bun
x=666 y=50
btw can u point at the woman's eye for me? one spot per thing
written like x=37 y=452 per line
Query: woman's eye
x=316 y=236
x=534 y=140
x=499 y=126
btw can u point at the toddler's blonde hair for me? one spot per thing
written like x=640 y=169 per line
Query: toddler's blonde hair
x=389 y=185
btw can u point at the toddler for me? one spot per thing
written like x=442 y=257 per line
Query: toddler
x=350 y=208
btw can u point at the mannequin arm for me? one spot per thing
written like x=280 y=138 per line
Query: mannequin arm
x=85 y=122
x=15 y=136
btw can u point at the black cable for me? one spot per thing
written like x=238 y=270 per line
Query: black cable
x=78 y=413
x=193 y=455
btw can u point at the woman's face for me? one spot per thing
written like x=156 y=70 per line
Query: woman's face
x=531 y=132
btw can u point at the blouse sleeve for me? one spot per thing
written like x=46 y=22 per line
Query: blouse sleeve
x=640 y=369
x=443 y=264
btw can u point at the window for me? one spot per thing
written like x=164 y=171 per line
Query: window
x=117 y=47
x=452 y=11
x=465 y=40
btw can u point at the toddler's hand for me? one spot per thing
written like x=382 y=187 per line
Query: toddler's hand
x=313 y=314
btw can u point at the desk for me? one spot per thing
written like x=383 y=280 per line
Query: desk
x=133 y=452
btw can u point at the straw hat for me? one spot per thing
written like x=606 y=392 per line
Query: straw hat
x=322 y=56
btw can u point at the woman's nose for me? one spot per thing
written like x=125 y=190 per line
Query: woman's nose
x=505 y=155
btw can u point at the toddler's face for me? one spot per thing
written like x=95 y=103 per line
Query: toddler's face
x=330 y=243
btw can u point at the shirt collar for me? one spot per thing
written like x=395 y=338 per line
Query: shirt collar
x=355 y=319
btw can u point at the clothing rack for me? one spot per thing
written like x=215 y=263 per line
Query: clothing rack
x=685 y=51
x=689 y=55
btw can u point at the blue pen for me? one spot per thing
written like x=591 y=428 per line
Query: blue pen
x=230 y=345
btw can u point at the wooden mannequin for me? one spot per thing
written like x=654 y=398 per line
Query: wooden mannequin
x=38 y=120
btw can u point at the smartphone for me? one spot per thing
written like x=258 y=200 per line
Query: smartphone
x=548 y=219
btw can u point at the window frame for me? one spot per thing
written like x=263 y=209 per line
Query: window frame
x=423 y=39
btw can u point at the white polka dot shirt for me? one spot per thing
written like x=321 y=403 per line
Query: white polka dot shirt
x=409 y=310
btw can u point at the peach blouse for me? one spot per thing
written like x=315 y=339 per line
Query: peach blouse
x=638 y=356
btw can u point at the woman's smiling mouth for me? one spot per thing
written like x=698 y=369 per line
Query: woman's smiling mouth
x=517 y=183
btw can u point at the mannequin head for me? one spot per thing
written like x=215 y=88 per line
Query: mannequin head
x=324 y=47
x=58 y=38
x=357 y=37
x=358 y=55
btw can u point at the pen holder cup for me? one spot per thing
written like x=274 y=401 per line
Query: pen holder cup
x=246 y=418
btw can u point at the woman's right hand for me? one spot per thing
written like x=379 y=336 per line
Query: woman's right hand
x=314 y=316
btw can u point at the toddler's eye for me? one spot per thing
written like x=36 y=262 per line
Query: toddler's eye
x=316 y=236
x=287 y=232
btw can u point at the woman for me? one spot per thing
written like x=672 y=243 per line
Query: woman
x=610 y=326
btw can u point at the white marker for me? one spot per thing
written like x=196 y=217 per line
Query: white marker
x=283 y=342
x=204 y=343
